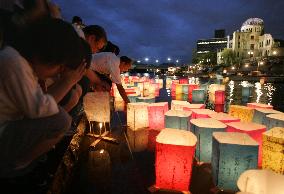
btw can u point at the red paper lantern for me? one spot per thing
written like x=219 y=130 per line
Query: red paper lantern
x=191 y=87
x=152 y=135
x=183 y=81
x=219 y=108
x=174 y=155
x=189 y=107
x=259 y=105
x=224 y=117
x=156 y=115
x=220 y=97
x=252 y=129
x=201 y=113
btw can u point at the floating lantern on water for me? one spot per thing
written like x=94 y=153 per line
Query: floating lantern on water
x=178 y=104
x=156 y=115
x=201 y=113
x=177 y=119
x=260 y=114
x=273 y=150
x=173 y=87
x=183 y=81
x=181 y=97
x=191 y=87
x=133 y=97
x=252 y=129
x=154 y=89
x=137 y=122
x=148 y=99
x=182 y=88
x=212 y=89
x=232 y=154
x=219 y=100
x=242 y=112
x=198 y=96
x=246 y=92
x=224 y=117
x=259 y=105
x=261 y=182
x=189 y=107
x=274 y=120
x=203 y=129
x=174 y=156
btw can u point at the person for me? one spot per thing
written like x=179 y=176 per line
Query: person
x=107 y=64
x=110 y=47
x=31 y=122
x=77 y=23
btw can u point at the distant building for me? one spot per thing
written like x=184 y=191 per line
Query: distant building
x=219 y=33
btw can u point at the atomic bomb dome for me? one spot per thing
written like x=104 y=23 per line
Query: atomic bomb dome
x=252 y=23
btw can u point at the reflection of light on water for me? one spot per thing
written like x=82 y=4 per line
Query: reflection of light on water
x=231 y=86
x=258 y=91
x=270 y=90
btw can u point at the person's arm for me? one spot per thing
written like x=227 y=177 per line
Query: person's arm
x=122 y=93
x=95 y=80
x=69 y=78
x=75 y=96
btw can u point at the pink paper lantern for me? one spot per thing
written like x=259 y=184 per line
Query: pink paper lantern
x=224 y=117
x=174 y=155
x=191 y=87
x=220 y=97
x=156 y=115
x=259 y=105
x=189 y=107
x=173 y=87
x=183 y=81
x=253 y=130
x=201 y=113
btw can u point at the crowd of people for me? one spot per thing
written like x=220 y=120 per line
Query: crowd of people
x=47 y=66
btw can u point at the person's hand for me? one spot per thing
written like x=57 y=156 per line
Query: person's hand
x=73 y=76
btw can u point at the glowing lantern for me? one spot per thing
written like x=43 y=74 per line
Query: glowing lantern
x=198 y=96
x=154 y=89
x=156 y=115
x=173 y=87
x=274 y=120
x=133 y=97
x=220 y=97
x=242 y=112
x=148 y=99
x=174 y=156
x=181 y=97
x=212 y=89
x=261 y=182
x=259 y=105
x=178 y=105
x=224 y=117
x=232 y=154
x=119 y=105
x=177 y=119
x=260 y=114
x=246 y=92
x=183 y=81
x=138 y=139
x=201 y=113
x=191 y=87
x=273 y=150
x=252 y=129
x=189 y=107
x=159 y=82
x=203 y=129
x=219 y=107
x=168 y=83
x=97 y=106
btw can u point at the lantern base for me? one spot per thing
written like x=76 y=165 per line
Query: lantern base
x=154 y=189
x=102 y=137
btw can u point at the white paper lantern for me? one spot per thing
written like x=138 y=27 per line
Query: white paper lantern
x=138 y=139
x=137 y=115
x=97 y=106
x=178 y=105
x=212 y=89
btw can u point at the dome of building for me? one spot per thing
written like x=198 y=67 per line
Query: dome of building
x=252 y=22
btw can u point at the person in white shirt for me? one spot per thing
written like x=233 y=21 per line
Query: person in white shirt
x=31 y=122
x=111 y=66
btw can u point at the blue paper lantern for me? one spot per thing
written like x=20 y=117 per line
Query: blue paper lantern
x=133 y=97
x=198 y=96
x=232 y=154
x=203 y=129
x=178 y=119
x=246 y=92
x=260 y=114
x=274 y=120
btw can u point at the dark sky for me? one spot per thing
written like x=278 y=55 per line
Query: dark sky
x=169 y=28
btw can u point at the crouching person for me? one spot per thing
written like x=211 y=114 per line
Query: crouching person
x=31 y=122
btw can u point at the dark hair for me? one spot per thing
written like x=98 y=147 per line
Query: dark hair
x=76 y=19
x=110 y=47
x=87 y=52
x=96 y=30
x=51 y=42
x=125 y=59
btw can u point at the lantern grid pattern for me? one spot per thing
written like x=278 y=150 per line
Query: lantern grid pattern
x=177 y=119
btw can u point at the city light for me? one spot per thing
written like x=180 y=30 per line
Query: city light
x=169 y=59
x=261 y=62
x=233 y=68
x=157 y=61
x=146 y=59
x=177 y=61
x=246 y=65
x=138 y=61
x=274 y=52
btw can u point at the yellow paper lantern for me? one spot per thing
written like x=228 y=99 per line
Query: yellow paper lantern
x=273 y=150
x=242 y=112
x=137 y=115
x=212 y=89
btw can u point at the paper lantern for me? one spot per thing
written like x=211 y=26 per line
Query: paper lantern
x=261 y=182
x=177 y=119
x=168 y=83
x=191 y=87
x=138 y=139
x=148 y=99
x=189 y=107
x=203 y=129
x=154 y=89
x=252 y=129
x=156 y=115
x=183 y=81
x=273 y=150
x=260 y=114
x=159 y=82
x=274 y=120
x=181 y=97
x=219 y=107
x=97 y=106
x=137 y=115
x=242 y=112
x=246 y=92
x=119 y=105
x=201 y=113
x=198 y=96
x=220 y=97
x=224 y=117
x=212 y=89
x=259 y=105
x=178 y=104
x=133 y=97
x=232 y=154
x=174 y=156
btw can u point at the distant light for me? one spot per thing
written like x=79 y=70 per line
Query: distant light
x=177 y=61
x=233 y=67
x=246 y=65
x=169 y=59
x=225 y=71
x=138 y=61
x=261 y=63
x=102 y=151
x=157 y=61
x=274 y=52
x=146 y=59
